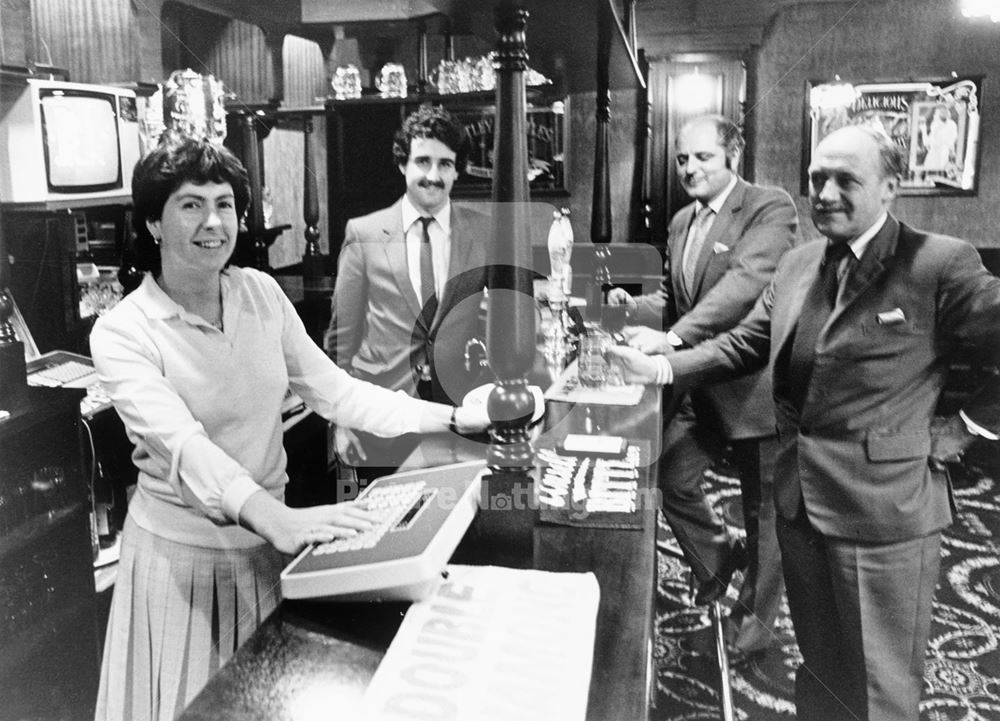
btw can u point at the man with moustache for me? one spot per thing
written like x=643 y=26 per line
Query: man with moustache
x=859 y=328
x=409 y=282
x=722 y=249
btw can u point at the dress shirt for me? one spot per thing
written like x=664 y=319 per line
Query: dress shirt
x=203 y=406
x=440 y=234
x=715 y=204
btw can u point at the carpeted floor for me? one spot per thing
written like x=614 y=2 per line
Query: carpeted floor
x=962 y=676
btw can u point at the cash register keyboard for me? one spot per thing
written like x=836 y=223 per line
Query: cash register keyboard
x=395 y=506
x=60 y=374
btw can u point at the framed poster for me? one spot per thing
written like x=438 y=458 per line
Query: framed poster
x=935 y=122
x=546 y=140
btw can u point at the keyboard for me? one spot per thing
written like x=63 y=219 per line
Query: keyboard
x=59 y=375
x=395 y=504
x=423 y=515
x=63 y=369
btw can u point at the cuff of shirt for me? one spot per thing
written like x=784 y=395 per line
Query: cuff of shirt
x=976 y=429
x=664 y=373
x=675 y=340
x=236 y=494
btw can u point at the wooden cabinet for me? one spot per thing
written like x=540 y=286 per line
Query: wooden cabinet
x=44 y=248
x=49 y=654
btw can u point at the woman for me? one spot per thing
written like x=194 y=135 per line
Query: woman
x=197 y=361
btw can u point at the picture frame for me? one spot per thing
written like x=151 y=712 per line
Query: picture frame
x=547 y=145
x=935 y=122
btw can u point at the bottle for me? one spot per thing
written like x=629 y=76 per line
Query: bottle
x=558 y=259
x=567 y=229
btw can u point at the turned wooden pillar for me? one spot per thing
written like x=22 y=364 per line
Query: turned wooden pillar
x=511 y=318
x=255 y=221
x=600 y=213
x=313 y=261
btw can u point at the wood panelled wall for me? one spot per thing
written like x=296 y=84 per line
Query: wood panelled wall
x=96 y=41
x=305 y=73
x=880 y=40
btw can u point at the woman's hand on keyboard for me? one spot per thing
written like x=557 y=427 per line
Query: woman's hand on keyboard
x=291 y=529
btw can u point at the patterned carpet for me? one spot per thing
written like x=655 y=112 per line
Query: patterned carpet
x=962 y=676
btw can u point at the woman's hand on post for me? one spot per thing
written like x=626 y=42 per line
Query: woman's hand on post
x=471 y=418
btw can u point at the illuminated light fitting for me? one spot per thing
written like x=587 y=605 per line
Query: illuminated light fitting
x=982 y=9
x=832 y=95
x=697 y=92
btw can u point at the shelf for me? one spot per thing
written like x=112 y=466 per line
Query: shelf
x=73 y=204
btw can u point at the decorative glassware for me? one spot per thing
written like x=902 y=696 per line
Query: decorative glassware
x=391 y=81
x=346 y=82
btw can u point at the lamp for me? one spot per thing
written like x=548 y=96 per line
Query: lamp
x=981 y=9
x=832 y=95
x=697 y=93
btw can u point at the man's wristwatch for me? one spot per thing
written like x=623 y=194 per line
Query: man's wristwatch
x=675 y=341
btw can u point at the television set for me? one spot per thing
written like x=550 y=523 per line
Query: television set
x=62 y=141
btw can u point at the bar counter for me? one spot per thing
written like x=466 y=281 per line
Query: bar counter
x=313 y=659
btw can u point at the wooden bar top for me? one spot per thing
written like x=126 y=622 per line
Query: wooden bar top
x=309 y=656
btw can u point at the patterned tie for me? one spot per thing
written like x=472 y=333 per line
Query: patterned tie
x=696 y=239
x=428 y=295
x=816 y=311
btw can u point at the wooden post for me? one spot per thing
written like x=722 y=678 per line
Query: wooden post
x=507 y=507
x=255 y=223
x=313 y=261
x=511 y=318
x=600 y=214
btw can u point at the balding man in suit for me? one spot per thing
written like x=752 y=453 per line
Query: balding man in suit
x=722 y=249
x=859 y=328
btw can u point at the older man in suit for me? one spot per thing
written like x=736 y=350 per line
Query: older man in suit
x=859 y=328
x=722 y=250
x=409 y=281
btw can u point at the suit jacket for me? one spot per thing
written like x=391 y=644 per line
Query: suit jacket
x=376 y=330
x=753 y=229
x=857 y=452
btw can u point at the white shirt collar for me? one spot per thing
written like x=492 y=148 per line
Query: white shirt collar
x=411 y=214
x=859 y=244
x=719 y=200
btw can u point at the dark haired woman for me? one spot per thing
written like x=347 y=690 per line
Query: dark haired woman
x=197 y=361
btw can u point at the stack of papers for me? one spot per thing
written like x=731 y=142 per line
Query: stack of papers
x=492 y=643
x=568 y=389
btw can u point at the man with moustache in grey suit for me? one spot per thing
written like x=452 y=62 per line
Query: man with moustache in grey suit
x=859 y=328
x=710 y=283
x=409 y=283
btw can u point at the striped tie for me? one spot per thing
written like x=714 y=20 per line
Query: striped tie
x=696 y=238
x=428 y=295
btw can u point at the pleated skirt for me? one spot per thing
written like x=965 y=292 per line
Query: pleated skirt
x=177 y=615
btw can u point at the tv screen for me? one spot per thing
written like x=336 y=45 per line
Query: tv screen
x=63 y=144
x=81 y=140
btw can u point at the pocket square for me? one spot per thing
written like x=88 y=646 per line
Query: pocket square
x=891 y=317
x=719 y=248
